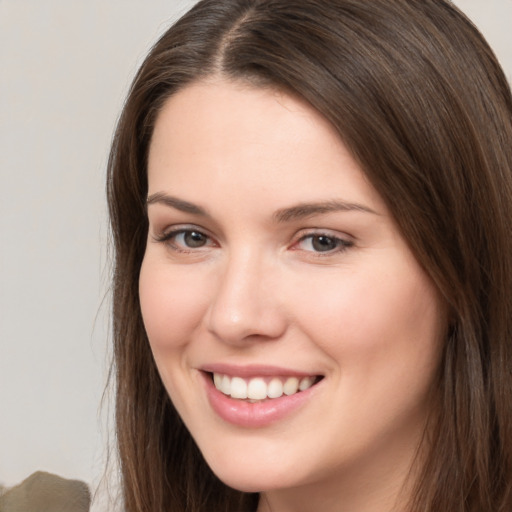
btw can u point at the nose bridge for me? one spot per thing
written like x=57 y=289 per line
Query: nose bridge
x=243 y=305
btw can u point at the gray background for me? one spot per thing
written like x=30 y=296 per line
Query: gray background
x=64 y=70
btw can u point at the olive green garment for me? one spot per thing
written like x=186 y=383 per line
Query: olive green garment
x=44 y=492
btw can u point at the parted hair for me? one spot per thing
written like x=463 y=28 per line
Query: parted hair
x=419 y=98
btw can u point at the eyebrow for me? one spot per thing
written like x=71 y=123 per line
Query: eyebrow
x=297 y=212
x=174 y=202
x=304 y=210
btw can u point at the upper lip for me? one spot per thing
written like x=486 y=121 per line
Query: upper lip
x=254 y=370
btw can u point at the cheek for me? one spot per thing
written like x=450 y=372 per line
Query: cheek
x=172 y=302
x=383 y=335
x=374 y=320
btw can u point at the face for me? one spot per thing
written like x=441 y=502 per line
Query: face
x=294 y=331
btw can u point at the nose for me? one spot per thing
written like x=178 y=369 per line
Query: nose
x=244 y=306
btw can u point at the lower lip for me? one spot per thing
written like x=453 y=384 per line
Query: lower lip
x=254 y=415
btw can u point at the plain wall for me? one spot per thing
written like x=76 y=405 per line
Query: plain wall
x=64 y=70
x=65 y=67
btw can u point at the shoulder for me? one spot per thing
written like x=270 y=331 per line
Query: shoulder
x=46 y=492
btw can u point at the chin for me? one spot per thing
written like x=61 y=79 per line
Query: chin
x=248 y=475
x=249 y=481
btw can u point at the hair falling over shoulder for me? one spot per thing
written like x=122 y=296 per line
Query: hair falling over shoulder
x=420 y=100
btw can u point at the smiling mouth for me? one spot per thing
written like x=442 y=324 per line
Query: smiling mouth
x=259 y=389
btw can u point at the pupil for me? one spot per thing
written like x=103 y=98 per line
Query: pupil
x=194 y=239
x=323 y=243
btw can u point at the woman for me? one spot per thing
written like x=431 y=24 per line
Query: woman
x=310 y=203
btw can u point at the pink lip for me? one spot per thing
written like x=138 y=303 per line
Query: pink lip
x=254 y=415
x=254 y=371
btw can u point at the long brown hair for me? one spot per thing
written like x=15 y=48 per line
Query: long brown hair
x=420 y=100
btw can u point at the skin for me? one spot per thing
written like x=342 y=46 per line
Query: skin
x=256 y=289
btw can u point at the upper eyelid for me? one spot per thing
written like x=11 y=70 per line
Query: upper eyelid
x=344 y=240
x=326 y=235
x=301 y=234
x=180 y=228
x=164 y=219
x=168 y=238
x=331 y=233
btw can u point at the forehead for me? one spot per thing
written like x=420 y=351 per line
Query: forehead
x=224 y=136
x=250 y=114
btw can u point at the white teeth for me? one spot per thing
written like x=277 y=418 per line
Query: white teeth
x=291 y=386
x=275 y=388
x=238 y=388
x=306 y=383
x=225 y=385
x=258 y=388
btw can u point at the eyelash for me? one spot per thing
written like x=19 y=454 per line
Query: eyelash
x=169 y=238
x=339 y=244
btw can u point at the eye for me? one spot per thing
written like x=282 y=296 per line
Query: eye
x=191 y=239
x=185 y=239
x=323 y=243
